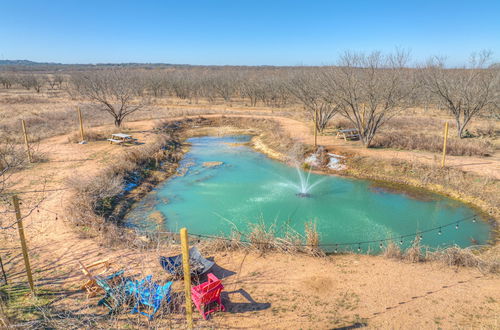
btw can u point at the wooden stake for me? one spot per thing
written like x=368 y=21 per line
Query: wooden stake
x=315 y=128
x=187 y=276
x=444 y=143
x=81 y=123
x=3 y=271
x=15 y=201
x=26 y=141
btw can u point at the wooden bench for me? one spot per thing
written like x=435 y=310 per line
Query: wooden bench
x=348 y=134
x=115 y=141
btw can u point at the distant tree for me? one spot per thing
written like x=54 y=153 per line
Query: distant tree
x=7 y=80
x=55 y=81
x=370 y=89
x=12 y=158
x=114 y=89
x=307 y=88
x=464 y=91
x=29 y=81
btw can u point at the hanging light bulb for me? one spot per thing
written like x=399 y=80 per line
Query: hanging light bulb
x=421 y=236
x=401 y=241
x=456 y=226
x=336 y=248
x=359 y=247
x=440 y=232
x=380 y=244
x=474 y=219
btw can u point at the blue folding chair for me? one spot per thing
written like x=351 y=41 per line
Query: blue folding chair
x=150 y=294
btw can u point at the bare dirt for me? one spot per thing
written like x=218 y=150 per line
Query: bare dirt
x=261 y=291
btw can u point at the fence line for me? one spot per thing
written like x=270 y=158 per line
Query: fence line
x=399 y=238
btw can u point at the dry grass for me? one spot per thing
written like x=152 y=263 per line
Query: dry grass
x=456 y=256
x=479 y=190
x=392 y=251
x=89 y=134
x=414 y=253
x=100 y=201
x=424 y=142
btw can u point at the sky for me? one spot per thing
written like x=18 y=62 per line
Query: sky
x=243 y=32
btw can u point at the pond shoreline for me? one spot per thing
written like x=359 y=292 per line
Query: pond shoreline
x=395 y=184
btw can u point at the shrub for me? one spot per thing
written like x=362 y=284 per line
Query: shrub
x=455 y=147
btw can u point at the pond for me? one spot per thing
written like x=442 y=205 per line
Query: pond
x=223 y=184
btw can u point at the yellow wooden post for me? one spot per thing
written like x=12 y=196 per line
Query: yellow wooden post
x=26 y=140
x=3 y=271
x=81 y=123
x=315 y=127
x=24 y=247
x=187 y=276
x=444 y=143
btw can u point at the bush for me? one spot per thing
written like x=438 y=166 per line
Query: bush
x=455 y=147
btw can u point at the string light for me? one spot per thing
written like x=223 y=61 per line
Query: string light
x=336 y=250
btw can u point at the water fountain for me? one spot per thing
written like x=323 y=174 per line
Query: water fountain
x=304 y=187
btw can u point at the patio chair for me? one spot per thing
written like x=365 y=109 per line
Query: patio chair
x=198 y=264
x=116 y=294
x=208 y=293
x=90 y=284
x=149 y=294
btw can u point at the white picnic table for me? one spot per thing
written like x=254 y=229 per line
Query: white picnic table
x=120 y=138
x=348 y=134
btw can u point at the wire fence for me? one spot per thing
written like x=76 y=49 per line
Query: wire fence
x=243 y=238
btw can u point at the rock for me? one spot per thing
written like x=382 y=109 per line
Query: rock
x=212 y=164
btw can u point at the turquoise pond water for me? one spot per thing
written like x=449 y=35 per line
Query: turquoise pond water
x=249 y=187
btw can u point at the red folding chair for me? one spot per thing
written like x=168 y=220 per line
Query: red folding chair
x=207 y=293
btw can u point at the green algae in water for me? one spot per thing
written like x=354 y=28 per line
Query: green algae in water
x=248 y=187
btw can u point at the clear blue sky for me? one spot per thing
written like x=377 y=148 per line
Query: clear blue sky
x=250 y=32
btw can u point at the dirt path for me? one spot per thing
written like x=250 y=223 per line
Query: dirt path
x=270 y=291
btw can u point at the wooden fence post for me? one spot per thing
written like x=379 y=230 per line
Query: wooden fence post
x=187 y=276
x=15 y=201
x=315 y=128
x=3 y=271
x=444 y=143
x=26 y=141
x=81 y=123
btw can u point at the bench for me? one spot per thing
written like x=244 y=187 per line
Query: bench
x=348 y=134
x=115 y=141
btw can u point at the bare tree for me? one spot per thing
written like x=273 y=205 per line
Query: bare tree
x=464 y=91
x=7 y=80
x=29 y=81
x=115 y=90
x=55 y=80
x=306 y=87
x=370 y=89
x=12 y=158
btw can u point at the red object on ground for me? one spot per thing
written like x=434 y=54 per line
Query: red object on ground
x=207 y=293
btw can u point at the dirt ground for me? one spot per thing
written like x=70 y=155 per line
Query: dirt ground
x=261 y=291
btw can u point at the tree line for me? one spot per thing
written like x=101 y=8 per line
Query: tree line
x=367 y=89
